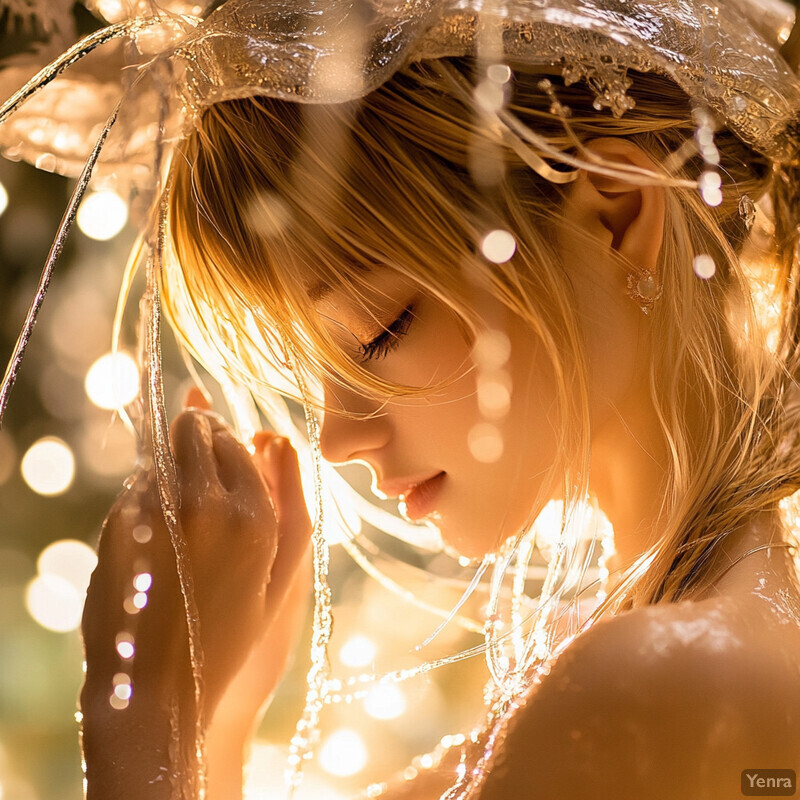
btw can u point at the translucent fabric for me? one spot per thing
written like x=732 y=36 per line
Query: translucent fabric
x=722 y=54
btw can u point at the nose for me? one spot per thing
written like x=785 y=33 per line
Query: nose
x=352 y=425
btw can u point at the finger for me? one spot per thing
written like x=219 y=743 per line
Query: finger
x=238 y=472
x=196 y=398
x=283 y=477
x=131 y=541
x=261 y=444
x=194 y=451
x=294 y=525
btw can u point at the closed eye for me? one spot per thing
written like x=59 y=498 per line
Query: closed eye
x=389 y=339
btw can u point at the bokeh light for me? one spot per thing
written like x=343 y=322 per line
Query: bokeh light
x=48 y=466
x=265 y=777
x=54 y=598
x=704 y=266
x=112 y=381
x=499 y=73
x=143 y=581
x=710 y=187
x=343 y=753
x=498 y=246
x=125 y=645
x=3 y=207
x=492 y=349
x=54 y=603
x=385 y=701
x=70 y=559
x=358 y=651
x=485 y=442
x=102 y=215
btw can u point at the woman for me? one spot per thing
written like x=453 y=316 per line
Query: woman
x=482 y=284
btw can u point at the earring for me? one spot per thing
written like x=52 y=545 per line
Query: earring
x=644 y=289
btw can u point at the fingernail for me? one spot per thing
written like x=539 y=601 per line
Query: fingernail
x=261 y=441
x=196 y=399
x=277 y=445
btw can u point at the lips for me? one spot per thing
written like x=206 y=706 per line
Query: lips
x=418 y=494
x=422 y=498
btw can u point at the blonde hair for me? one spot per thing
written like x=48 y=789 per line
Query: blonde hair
x=265 y=188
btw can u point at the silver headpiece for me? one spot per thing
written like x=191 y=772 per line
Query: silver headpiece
x=724 y=55
x=120 y=122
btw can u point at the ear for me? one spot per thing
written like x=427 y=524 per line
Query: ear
x=627 y=217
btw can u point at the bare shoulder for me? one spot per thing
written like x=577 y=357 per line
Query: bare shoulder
x=668 y=702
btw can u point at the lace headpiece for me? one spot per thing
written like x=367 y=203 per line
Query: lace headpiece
x=120 y=123
x=722 y=54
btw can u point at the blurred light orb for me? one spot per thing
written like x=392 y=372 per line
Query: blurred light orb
x=48 y=466
x=710 y=187
x=498 y=246
x=492 y=349
x=3 y=207
x=70 y=559
x=499 y=73
x=130 y=606
x=125 y=646
x=143 y=581
x=54 y=603
x=343 y=753
x=704 y=266
x=102 y=215
x=142 y=533
x=385 y=701
x=112 y=10
x=122 y=686
x=358 y=651
x=112 y=381
x=265 y=777
x=489 y=96
x=485 y=442
x=494 y=397
x=117 y=702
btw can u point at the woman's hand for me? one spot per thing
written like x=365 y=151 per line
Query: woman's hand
x=246 y=528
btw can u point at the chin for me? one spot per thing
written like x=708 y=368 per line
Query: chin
x=467 y=543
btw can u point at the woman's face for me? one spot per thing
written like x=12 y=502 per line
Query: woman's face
x=419 y=448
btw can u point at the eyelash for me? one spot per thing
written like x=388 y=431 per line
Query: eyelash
x=382 y=345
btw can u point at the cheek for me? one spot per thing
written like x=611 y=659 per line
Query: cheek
x=502 y=497
x=438 y=356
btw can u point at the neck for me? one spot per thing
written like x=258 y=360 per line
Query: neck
x=628 y=476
